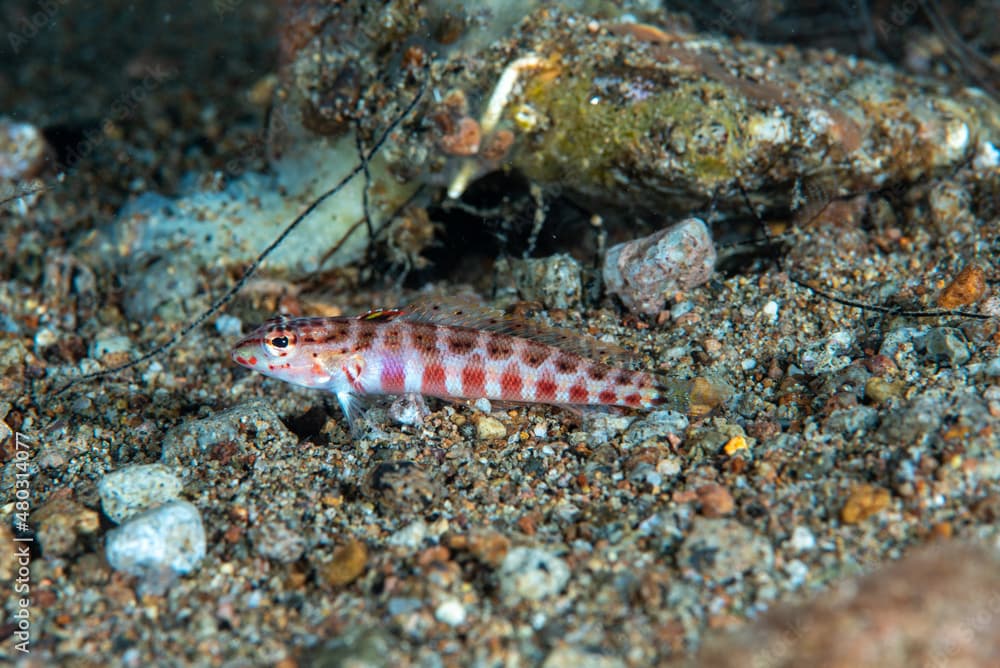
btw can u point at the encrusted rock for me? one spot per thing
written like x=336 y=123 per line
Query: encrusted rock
x=554 y=281
x=646 y=272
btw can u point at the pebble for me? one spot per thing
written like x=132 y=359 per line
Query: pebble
x=947 y=345
x=489 y=428
x=879 y=390
x=253 y=425
x=229 y=326
x=59 y=525
x=966 y=288
x=168 y=538
x=411 y=536
x=135 y=488
x=565 y=656
x=828 y=355
x=715 y=500
x=801 y=540
x=450 y=612
x=278 y=542
x=346 y=565
x=554 y=281
x=645 y=273
x=723 y=549
x=22 y=150
x=109 y=344
x=935 y=606
x=863 y=502
x=409 y=410
x=901 y=338
x=532 y=574
x=655 y=426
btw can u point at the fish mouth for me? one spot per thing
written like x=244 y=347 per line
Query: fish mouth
x=243 y=353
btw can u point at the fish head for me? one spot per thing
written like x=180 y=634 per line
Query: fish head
x=282 y=348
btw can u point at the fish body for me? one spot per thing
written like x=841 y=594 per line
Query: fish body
x=450 y=354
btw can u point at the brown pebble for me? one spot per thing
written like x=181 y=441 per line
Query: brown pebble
x=716 y=501
x=967 y=288
x=346 y=565
x=864 y=501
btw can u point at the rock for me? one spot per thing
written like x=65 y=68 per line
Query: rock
x=572 y=657
x=411 y=536
x=863 y=502
x=936 y=606
x=169 y=538
x=655 y=426
x=828 y=355
x=947 y=345
x=966 y=288
x=722 y=549
x=355 y=648
x=22 y=150
x=278 y=542
x=233 y=222
x=346 y=565
x=409 y=410
x=801 y=540
x=489 y=428
x=60 y=523
x=554 y=281
x=715 y=500
x=531 y=574
x=136 y=488
x=646 y=272
x=450 y=612
x=250 y=426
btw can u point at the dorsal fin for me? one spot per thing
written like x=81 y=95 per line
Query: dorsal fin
x=469 y=313
x=382 y=314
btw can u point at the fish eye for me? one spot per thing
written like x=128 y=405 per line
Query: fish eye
x=279 y=343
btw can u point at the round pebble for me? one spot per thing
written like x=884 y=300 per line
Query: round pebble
x=135 y=488
x=450 y=612
x=490 y=429
x=167 y=538
x=531 y=574
x=947 y=345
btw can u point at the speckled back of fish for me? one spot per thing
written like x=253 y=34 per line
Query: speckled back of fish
x=456 y=353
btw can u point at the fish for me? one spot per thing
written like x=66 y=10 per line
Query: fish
x=455 y=352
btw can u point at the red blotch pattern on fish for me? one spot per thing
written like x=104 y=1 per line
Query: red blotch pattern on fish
x=395 y=355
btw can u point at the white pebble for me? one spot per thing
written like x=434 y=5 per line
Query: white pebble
x=770 y=311
x=802 y=540
x=169 y=538
x=228 y=325
x=450 y=612
x=532 y=574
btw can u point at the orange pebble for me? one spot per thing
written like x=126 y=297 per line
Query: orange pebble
x=967 y=288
